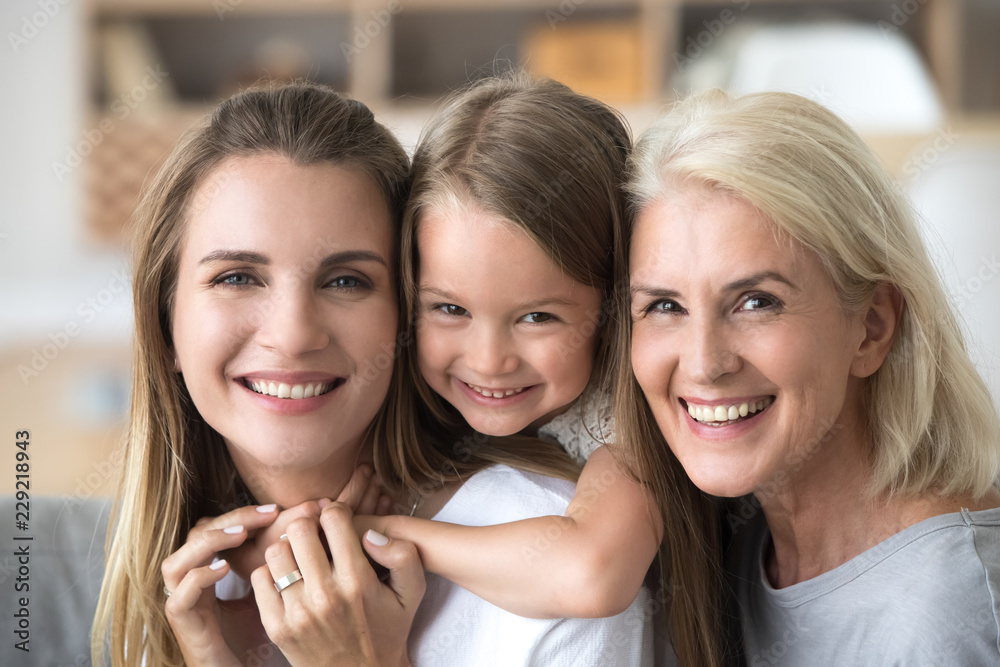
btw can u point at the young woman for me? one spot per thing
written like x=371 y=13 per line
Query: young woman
x=264 y=285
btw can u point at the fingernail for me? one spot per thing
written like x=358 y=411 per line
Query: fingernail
x=323 y=502
x=284 y=536
x=218 y=565
x=233 y=530
x=378 y=539
x=264 y=509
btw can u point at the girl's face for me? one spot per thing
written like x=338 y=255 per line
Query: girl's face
x=740 y=345
x=285 y=306
x=503 y=334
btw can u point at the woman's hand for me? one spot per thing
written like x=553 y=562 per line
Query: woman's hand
x=190 y=577
x=339 y=613
x=361 y=495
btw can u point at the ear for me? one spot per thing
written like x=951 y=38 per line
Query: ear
x=177 y=363
x=880 y=322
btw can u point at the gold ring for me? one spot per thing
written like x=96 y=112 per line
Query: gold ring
x=287 y=580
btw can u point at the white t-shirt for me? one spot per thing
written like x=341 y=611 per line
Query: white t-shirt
x=453 y=627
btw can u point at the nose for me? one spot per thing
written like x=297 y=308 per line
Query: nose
x=709 y=353
x=491 y=352
x=291 y=323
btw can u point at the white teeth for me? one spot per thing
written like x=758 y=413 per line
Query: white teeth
x=726 y=413
x=489 y=393
x=290 y=391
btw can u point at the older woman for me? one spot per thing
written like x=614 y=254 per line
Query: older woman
x=794 y=346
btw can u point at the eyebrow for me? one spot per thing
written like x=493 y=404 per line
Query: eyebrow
x=250 y=257
x=735 y=286
x=756 y=279
x=551 y=301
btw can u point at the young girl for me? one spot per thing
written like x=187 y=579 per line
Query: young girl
x=507 y=250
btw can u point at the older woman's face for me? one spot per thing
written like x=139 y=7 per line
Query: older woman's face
x=739 y=343
x=285 y=313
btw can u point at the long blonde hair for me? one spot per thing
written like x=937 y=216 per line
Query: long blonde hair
x=551 y=162
x=931 y=423
x=176 y=468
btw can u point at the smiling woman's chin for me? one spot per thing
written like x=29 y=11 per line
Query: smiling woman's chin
x=723 y=479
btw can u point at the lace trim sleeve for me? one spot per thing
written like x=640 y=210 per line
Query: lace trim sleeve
x=585 y=426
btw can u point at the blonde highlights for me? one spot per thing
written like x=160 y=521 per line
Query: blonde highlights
x=176 y=468
x=931 y=424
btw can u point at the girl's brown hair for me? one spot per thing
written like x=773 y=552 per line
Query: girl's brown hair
x=176 y=468
x=551 y=162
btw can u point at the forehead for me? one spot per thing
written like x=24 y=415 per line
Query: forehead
x=267 y=202
x=697 y=230
x=470 y=251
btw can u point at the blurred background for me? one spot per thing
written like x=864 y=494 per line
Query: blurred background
x=99 y=90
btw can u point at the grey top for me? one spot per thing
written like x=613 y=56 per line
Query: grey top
x=929 y=595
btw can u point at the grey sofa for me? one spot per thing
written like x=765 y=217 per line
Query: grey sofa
x=65 y=565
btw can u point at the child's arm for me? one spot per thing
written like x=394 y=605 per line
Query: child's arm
x=586 y=564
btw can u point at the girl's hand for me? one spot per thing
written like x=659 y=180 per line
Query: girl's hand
x=361 y=494
x=190 y=577
x=339 y=613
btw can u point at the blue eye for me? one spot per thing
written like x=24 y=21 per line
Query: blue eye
x=235 y=280
x=538 y=318
x=759 y=302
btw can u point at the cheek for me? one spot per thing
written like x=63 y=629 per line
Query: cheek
x=371 y=332
x=648 y=361
x=434 y=350
x=792 y=359
x=569 y=357
x=203 y=334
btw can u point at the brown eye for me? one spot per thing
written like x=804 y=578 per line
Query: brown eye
x=451 y=309
x=665 y=306
x=537 y=318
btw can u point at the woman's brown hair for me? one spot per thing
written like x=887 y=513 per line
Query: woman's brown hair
x=176 y=468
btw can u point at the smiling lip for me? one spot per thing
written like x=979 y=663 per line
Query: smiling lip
x=488 y=396
x=724 y=418
x=290 y=393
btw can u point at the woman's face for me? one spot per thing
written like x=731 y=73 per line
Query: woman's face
x=285 y=312
x=739 y=343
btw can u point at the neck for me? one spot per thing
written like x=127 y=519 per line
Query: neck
x=290 y=484
x=824 y=515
